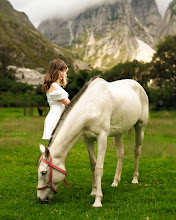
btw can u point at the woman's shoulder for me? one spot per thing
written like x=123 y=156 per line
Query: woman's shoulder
x=54 y=87
x=56 y=93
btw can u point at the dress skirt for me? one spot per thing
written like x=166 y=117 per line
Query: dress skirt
x=51 y=120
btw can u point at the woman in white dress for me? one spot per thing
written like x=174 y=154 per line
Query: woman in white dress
x=57 y=97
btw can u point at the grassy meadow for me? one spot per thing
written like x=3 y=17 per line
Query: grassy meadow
x=153 y=198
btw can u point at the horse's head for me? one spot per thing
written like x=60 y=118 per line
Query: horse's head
x=49 y=175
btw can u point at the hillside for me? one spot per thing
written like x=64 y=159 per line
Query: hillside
x=30 y=48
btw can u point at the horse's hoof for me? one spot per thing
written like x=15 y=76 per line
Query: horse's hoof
x=97 y=203
x=115 y=184
x=134 y=181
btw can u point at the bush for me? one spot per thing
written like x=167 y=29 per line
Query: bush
x=163 y=97
x=14 y=87
x=16 y=94
x=129 y=70
x=77 y=81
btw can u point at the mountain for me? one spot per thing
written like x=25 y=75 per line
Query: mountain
x=30 y=48
x=146 y=12
x=169 y=25
x=106 y=34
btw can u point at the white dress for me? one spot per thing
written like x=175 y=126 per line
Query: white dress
x=56 y=109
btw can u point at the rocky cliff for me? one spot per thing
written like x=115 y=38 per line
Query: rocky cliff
x=30 y=48
x=109 y=33
x=148 y=16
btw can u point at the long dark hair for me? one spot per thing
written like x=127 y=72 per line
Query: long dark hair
x=53 y=74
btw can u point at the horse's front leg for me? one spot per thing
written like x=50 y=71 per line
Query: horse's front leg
x=102 y=144
x=92 y=156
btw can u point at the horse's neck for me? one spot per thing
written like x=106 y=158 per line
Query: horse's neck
x=67 y=135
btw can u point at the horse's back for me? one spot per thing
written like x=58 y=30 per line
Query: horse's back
x=118 y=92
x=128 y=85
x=119 y=85
x=114 y=106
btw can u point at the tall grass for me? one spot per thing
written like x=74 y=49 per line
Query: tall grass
x=153 y=198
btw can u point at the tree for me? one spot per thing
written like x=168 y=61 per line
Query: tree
x=164 y=62
x=77 y=81
x=163 y=73
x=6 y=58
x=130 y=70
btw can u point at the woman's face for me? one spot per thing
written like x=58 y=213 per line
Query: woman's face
x=62 y=74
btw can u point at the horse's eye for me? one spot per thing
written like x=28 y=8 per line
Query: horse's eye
x=43 y=173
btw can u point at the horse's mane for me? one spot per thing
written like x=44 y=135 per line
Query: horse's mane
x=70 y=106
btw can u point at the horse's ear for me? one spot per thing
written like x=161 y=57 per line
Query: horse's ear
x=47 y=153
x=45 y=150
x=42 y=148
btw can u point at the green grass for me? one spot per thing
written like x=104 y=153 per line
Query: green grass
x=153 y=198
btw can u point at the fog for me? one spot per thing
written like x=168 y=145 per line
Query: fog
x=39 y=10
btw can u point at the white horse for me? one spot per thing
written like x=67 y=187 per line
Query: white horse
x=100 y=110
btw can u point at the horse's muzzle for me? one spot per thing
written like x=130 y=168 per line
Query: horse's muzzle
x=44 y=201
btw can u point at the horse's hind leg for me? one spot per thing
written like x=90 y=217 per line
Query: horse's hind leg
x=120 y=153
x=139 y=129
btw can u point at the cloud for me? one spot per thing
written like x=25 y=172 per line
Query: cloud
x=39 y=10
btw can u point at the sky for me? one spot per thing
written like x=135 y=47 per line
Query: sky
x=39 y=10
